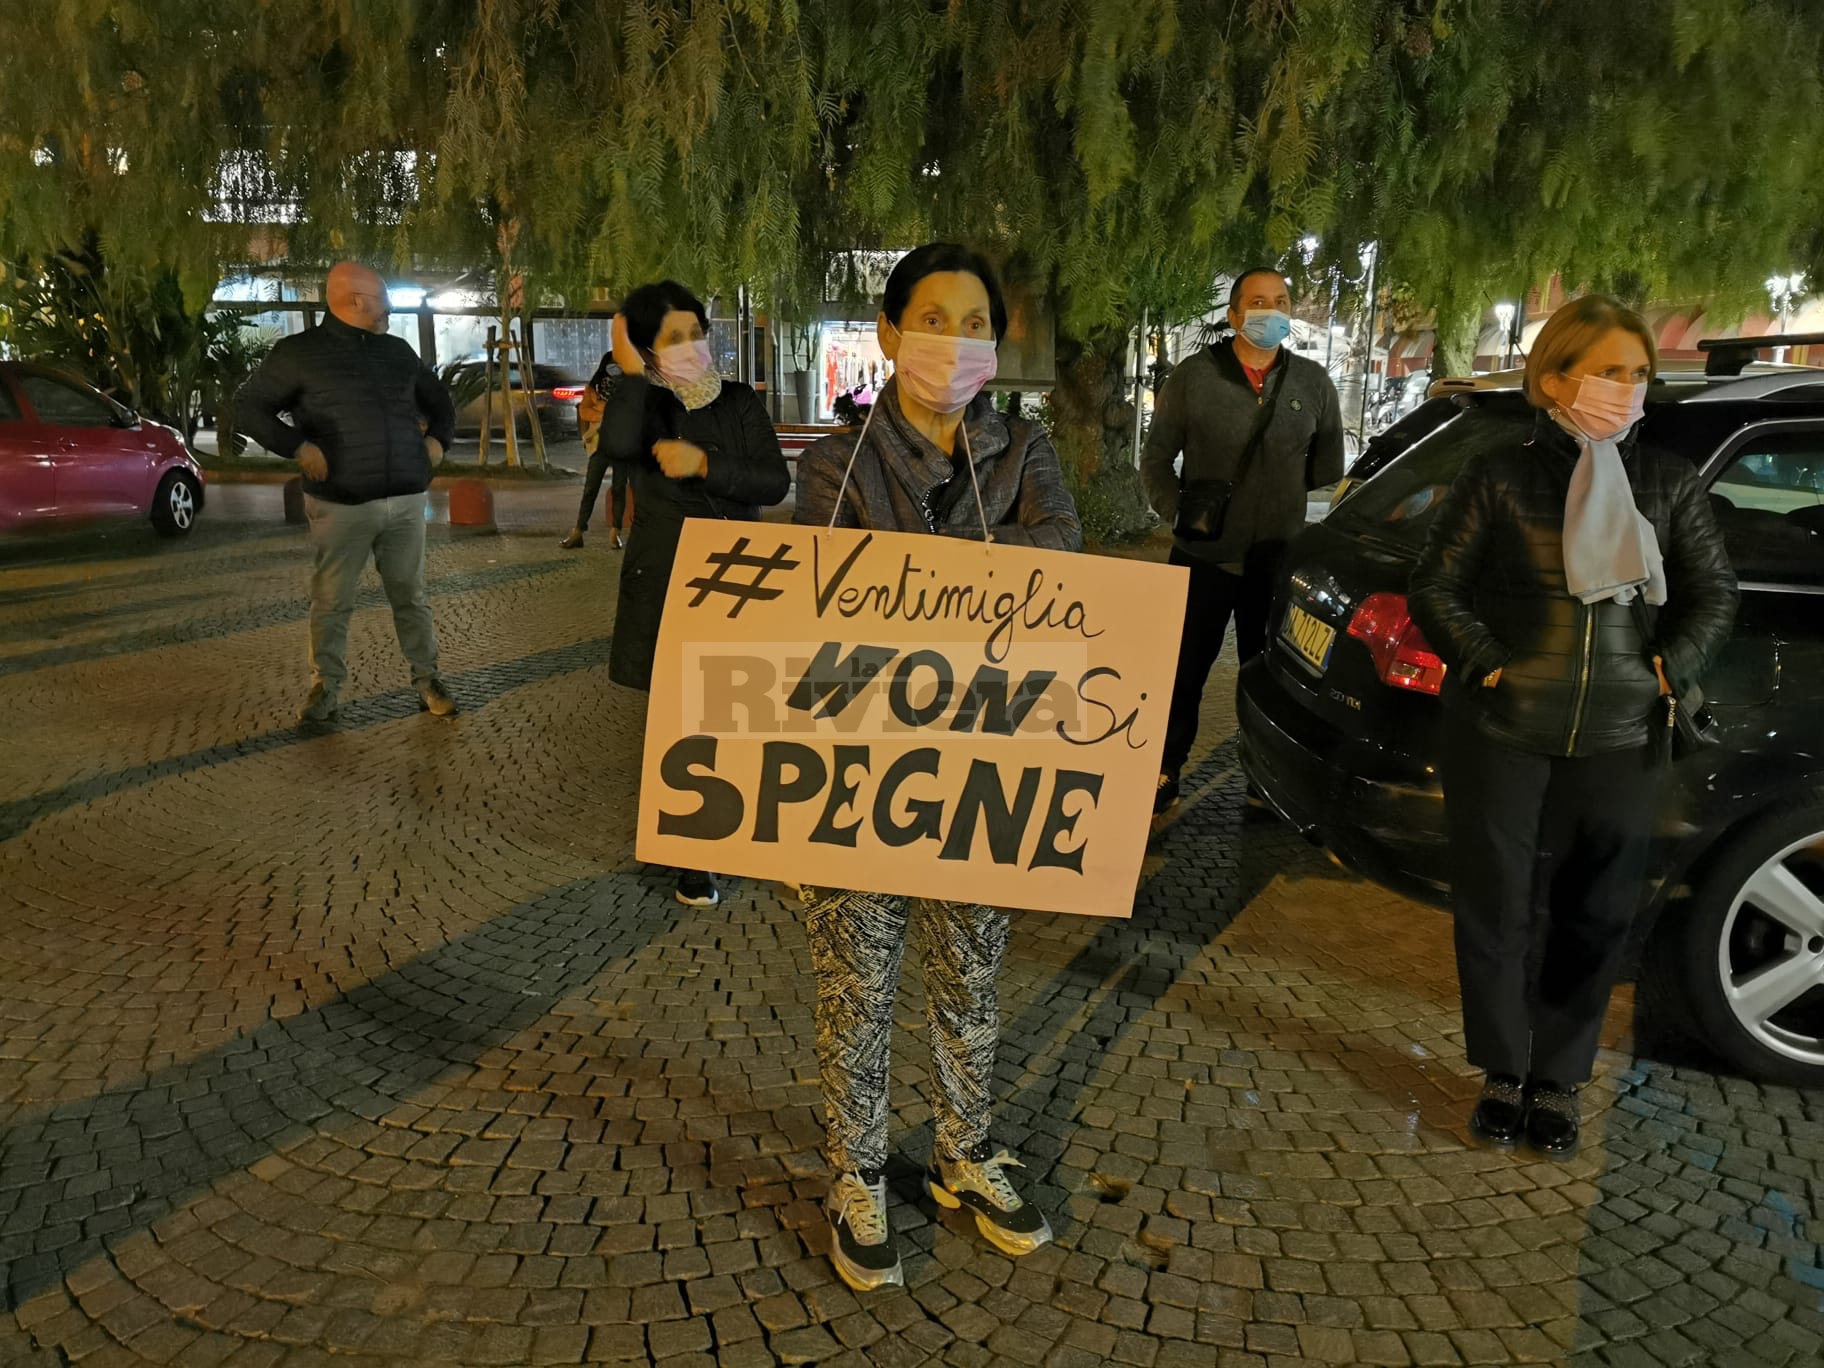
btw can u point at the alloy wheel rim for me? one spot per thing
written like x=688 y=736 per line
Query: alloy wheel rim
x=183 y=507
x=1770 y=955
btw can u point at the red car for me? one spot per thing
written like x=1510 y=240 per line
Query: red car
x=68 y=454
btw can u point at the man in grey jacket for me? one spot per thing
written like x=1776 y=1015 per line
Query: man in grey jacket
x=1258 y=428
x=368 y=421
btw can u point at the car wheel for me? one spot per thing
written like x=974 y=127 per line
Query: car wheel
x=1749 y=948
x=174 y=506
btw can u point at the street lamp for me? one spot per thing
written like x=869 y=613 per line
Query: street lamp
x=1783 y=290
x=1307 y=248
x=1504 y=315
x=1370 y=260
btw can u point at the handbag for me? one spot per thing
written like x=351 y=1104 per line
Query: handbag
x=1682 y=724
x=1203 y=505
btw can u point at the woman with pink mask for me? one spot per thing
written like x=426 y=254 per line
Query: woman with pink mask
x=934 y=457
x=695 y=446
x=1573 y=578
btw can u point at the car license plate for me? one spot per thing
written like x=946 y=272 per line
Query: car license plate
x=1309 y=639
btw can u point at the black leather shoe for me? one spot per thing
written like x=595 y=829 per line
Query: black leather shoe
x=1165 y=794
x=1500 y=1112
x=1553 y=1119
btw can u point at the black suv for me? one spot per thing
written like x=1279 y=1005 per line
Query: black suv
x=1339 y=718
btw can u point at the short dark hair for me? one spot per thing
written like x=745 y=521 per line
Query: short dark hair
x=935 y=258
x=1245 y=276
x=645 y=310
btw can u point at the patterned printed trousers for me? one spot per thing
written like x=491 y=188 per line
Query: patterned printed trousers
x=856 y=944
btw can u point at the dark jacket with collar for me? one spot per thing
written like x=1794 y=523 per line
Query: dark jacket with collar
x=1206 y=408
x=364 y=399
x=747 y=472
x=901 y=482
x=1490 y=594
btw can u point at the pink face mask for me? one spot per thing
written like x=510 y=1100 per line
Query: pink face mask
x=944 y=373
x=1606 y=408
x=684 y=363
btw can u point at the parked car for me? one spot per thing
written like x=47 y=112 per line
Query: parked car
x=556 y=393
x=1444 y=397
x=68 y=454
x=1339 y=719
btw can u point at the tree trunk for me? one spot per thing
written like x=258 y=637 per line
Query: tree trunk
x=1092 y=426
x=228 y=440
x=1458 y=328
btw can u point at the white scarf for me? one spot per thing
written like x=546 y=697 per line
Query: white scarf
x=1610 y=550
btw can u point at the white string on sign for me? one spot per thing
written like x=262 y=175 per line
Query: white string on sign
x=847 y=470
x=968 y=457
x=981 y=511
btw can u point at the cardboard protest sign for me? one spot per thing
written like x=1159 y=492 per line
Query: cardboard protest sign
x=909 y=714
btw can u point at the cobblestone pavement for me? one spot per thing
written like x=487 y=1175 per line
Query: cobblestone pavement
x=378 y=1048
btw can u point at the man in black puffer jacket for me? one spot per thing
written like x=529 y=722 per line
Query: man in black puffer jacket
x=361 y=404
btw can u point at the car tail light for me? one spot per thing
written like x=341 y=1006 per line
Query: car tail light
x=1402 y=657
x=566 y=394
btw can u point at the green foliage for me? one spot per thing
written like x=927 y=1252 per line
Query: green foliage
x=231 y=349
x=1651 y=148
x=130 y=333
x=1090 y=416
x=466 y=383
x=1111 y=505
x=1119 y=154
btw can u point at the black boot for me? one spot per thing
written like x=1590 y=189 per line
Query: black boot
x=1553 y=1119
x=1500 y=1112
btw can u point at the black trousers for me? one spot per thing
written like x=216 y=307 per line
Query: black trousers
x=1536 y=832
x=1215 y=596
x=592 y=485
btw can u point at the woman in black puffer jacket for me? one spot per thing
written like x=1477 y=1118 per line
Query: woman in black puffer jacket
x=1526 y=588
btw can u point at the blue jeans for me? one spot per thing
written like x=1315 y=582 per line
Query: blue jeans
x=345 y=536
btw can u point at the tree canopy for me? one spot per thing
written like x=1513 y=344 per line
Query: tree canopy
x=1121 y=153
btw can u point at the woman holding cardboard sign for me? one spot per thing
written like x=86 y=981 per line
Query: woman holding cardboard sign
x=933 y=457
x=695 y=446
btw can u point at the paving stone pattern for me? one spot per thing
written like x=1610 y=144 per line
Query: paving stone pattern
x=378 y=1048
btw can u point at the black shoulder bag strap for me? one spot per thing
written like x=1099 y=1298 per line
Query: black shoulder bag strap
x=1203 y=505
x=1269 y=402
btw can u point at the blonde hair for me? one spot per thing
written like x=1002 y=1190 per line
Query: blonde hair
x=1572 y=331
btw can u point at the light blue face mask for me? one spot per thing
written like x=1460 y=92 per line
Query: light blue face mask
x=1266 y=328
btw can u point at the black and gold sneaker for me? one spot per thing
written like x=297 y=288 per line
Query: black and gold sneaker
x=1006 y=1221
x=861 y=1244
x=697 y=888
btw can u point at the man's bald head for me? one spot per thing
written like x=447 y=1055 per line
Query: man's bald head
x=357 y=296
